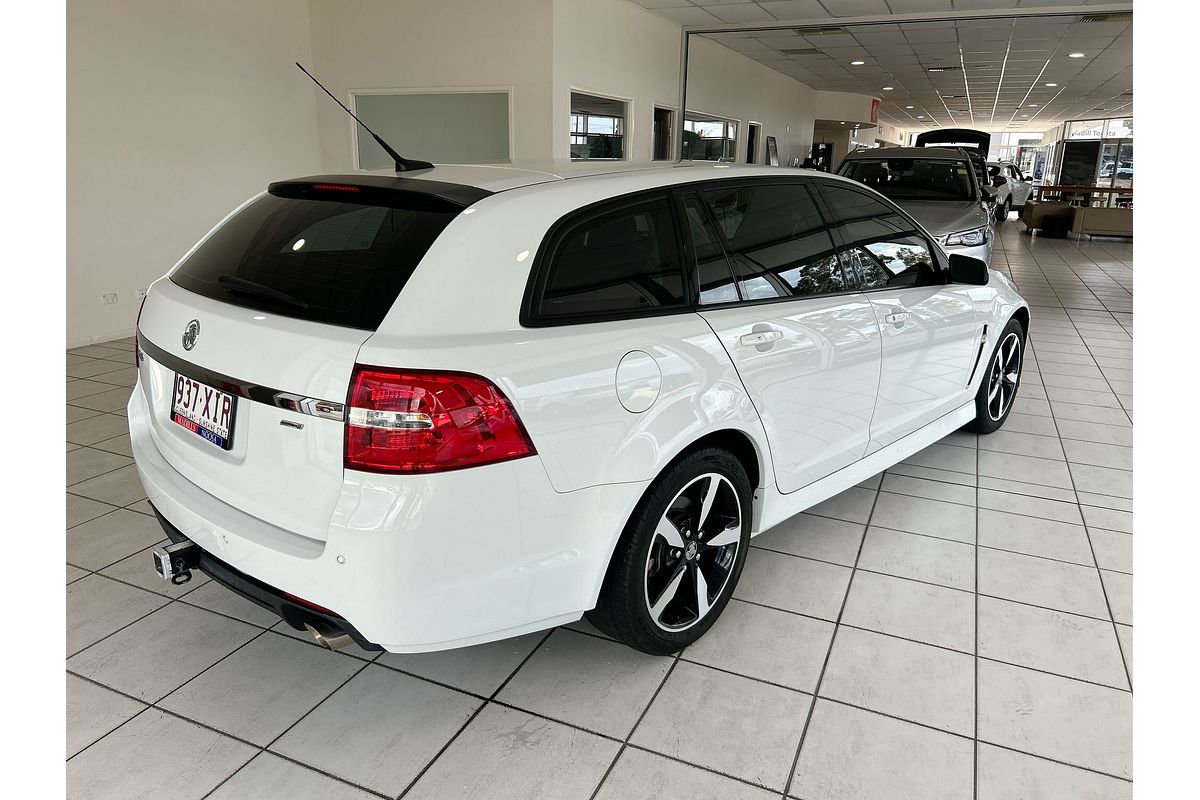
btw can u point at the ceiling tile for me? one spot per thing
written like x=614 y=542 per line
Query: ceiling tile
x=690 y=15
x=795 y=9
x=931 y=35
x=740 y=12
x=856 y=8
x=914 y=6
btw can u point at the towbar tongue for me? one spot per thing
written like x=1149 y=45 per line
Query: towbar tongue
x=175 y=562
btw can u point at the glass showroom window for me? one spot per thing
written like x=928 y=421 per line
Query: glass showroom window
x=597 y=127
x=1119 y=129
x=709 y=139
x=1087 y=129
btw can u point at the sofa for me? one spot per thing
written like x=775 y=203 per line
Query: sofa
x=1102 y=221
x=1034 y=212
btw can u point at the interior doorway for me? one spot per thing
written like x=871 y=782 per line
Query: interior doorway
x=752 y=143
x=664 y=119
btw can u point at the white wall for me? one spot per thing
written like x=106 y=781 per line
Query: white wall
x=617 y=49
x=844 y=106
x=433 y=44
x=176 y=112
x=838 y=136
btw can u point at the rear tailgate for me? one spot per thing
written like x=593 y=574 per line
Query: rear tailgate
x=271 y=309
x=286 y=474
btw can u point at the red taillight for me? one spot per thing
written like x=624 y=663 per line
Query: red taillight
x=416 y=421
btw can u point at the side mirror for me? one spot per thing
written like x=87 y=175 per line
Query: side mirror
x=971 y=271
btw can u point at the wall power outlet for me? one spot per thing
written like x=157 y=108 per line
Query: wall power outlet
x=108 y=298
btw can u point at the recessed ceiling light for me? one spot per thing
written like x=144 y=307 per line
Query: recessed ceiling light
x=888 y=88
x=841 y=123
x=1033 y=105
x=910 y=106
x=1051 y=84
x=1074 y=55
x=920 y=116
x=857 y=63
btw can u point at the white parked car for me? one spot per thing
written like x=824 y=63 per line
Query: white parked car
x=1011 y=185
x=429 y=411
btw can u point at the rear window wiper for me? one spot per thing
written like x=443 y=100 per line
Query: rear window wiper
x=243 y=286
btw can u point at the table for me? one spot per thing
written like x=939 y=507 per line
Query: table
x=1112 y=196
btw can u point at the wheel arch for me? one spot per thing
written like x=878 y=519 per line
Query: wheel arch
x=741 y=444
x=1021 y=315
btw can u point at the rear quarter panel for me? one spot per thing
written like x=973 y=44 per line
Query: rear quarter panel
x=461 y=311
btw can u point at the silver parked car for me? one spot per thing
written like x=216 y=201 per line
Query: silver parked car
x=938 y=186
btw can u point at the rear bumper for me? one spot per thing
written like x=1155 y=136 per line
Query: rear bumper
x=411 y=563
x=268 y=597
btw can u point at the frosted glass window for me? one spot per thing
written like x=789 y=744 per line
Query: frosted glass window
x=449 y=128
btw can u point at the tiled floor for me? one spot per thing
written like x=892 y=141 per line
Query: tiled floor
x=962 y=621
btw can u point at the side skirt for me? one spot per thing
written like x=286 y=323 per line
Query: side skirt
x=778 y=507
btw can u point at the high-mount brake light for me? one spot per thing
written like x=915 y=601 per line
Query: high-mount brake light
x=416 y=421
x=335 y=187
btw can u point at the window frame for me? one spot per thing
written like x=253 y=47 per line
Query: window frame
x=626 y=124
x=698 y=187
x=941 y=260
x=543 y=262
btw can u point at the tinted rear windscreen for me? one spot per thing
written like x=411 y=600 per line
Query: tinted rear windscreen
x=335 y=261
x=913 y=178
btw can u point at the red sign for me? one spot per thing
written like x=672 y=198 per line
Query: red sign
x=875 y=110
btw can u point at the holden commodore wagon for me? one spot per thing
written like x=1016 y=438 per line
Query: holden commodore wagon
x=434 y=409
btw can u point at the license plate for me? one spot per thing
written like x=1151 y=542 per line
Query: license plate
x=204 y=410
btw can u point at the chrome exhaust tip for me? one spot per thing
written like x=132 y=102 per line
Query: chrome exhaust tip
x=328 y=642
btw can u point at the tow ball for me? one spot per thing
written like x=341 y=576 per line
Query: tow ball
x=175 y=562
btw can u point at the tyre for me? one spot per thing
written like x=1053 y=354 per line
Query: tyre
x=1003 y=210
x=1000 y=381
x=680 y=556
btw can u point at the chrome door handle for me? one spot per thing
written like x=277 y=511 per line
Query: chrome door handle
x=759 y=338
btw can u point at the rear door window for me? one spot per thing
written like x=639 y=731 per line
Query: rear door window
x=881 y=247
x=615 y=261
x=712 y=267
x=341 y=261
x=777 y=240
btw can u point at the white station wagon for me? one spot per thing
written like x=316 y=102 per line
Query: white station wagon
x=425 y=410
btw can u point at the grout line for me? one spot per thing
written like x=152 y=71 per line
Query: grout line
x=218 y=731
x=265 y=748
x=1091 y=546
x=889 y=635
x=829 y=651
x=838 y=623
x=642 y=716
x=975 y=698
x=486 y=701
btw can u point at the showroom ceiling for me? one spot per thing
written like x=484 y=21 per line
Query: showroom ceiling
x=1010 y=73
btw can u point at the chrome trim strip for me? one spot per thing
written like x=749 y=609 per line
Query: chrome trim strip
x=311 y=406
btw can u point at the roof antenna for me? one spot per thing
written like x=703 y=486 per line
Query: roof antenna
x=402 y=164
